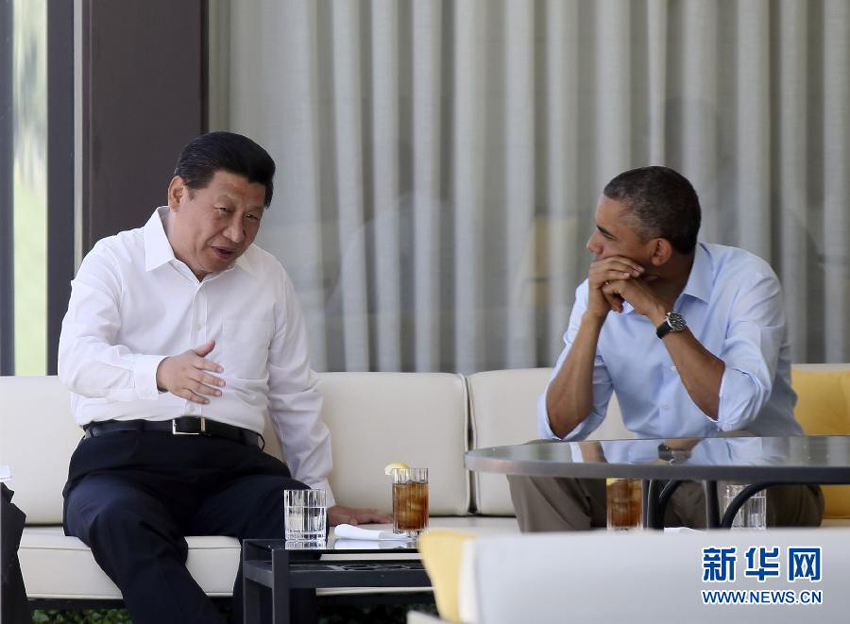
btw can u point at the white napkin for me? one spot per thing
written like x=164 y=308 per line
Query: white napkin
x=349 y=531
x=681 y=529
x=353 y=544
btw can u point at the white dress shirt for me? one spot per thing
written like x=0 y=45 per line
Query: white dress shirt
x=133 y=304
x=733 y=305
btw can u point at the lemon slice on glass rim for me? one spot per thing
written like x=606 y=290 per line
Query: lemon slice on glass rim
x=389 y=468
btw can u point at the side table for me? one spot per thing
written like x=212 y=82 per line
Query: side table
x=270 y=565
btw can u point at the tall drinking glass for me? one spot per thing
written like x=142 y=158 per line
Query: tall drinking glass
x=625 y=503
x=410 y=501
x=753 y=513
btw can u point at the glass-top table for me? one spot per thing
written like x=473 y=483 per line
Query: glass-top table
x=759 y=461
x=281 y=566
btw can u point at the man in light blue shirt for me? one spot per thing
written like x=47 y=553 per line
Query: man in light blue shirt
x=691 y=336
x=742 y=320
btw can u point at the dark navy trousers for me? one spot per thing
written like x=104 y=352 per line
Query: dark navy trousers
x=133 y=496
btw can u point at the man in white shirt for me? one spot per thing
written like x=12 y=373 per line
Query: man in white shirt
x=179 y=338
x=696 y=346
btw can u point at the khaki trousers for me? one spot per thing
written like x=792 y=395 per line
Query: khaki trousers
x=564 y=504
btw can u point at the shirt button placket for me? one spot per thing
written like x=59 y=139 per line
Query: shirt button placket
x=201 y=321
x=198 y=333
x=197 y=314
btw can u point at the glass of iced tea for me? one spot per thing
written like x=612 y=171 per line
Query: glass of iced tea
x=625 y=503
x=410 y=500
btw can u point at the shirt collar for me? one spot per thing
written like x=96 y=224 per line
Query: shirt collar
x=243 y=263
x=158 y=250
x=699 y=281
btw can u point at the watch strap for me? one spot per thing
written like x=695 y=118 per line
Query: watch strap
x=663 y=329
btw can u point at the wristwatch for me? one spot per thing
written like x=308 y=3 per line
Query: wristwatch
x=673 y=321
x=673 y=455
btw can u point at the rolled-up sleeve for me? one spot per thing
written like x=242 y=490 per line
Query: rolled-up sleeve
x=294 y=401
x=755 y=333
x=602 y=386
x=90 y=363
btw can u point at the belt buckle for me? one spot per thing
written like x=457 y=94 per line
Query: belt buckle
x=189 y=433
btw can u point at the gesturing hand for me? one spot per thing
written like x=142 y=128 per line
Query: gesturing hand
x=602 y=272
x=184 y=375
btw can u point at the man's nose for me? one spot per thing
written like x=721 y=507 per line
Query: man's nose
x=235 y=231
x=593 y=245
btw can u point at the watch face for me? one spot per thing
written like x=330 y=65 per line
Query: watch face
x=676 y=321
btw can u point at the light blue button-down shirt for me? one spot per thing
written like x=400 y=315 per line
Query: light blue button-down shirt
x=733 y=305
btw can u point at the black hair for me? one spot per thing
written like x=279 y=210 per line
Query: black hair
x=662 y=202
x=201 y=157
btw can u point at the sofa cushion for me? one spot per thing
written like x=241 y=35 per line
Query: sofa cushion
x=823 y=408
x=822 y=403
x=379 y=418
x=56 y=566
x=503 y=410
x=37 y=437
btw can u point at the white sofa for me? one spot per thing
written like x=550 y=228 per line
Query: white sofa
x=424 y=419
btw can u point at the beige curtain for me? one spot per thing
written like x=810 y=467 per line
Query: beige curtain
x=439 y=161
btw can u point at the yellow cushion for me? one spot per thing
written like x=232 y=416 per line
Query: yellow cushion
x=441 y=551
x=823 y=408
x=821 y=402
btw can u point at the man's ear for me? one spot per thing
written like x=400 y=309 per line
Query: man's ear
x=661 y=250
x=176 y=189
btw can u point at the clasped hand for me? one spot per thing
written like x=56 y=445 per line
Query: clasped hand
x=615 y=280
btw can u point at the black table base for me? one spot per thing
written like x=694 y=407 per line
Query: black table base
x=657 y=497
x=273 y=572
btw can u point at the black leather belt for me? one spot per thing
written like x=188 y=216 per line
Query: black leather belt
x=185 y=425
